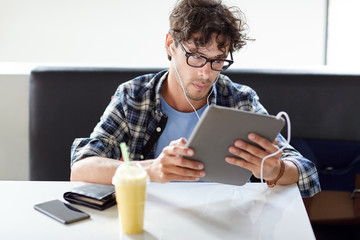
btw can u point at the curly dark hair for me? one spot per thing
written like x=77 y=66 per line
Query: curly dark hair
x=208 y=17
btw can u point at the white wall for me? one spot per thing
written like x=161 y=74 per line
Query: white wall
x=127 y=34
x=344 y=34
x=14 y=125
x=287 y=32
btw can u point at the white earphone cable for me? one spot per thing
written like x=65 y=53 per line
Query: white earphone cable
x=280 y=149
x=207 y=100
x=182 y=86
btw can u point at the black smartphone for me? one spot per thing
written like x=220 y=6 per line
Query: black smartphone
x=61 y=211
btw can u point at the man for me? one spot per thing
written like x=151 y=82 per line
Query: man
x=155 y=114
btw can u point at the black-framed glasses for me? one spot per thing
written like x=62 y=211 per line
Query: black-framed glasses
x=196 y=61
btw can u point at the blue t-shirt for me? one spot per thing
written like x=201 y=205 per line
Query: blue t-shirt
x=179 y=124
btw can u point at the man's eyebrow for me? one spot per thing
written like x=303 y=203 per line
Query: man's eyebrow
x=223 y=55
x=195 y=50
x=220 y=56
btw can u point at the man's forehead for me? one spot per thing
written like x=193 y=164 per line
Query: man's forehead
x=219 y=41
x=211 y=48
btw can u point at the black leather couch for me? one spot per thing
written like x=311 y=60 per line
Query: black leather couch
x=66 y=103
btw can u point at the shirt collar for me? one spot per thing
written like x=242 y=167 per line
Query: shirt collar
x=212 y=98
x=158 y=91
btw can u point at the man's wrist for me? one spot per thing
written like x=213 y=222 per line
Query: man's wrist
x=272 y=183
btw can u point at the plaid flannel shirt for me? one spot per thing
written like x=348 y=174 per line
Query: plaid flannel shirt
x=134 y=116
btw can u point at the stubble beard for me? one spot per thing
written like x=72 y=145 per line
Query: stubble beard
x=194 y=97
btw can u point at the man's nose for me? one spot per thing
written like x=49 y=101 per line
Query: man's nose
x=205 y=70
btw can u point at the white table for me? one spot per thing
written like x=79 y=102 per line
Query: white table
x=173 y=211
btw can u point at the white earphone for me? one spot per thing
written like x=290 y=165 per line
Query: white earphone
x=171 y=49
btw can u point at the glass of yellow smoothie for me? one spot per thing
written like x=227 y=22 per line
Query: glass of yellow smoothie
x=130 y=189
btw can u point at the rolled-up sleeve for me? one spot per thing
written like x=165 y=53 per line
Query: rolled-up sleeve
x=308 y=183
x=105 y=140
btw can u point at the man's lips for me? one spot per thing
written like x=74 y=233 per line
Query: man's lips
x=200 y=86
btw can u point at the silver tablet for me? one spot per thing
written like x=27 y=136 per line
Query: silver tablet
x=217 y=130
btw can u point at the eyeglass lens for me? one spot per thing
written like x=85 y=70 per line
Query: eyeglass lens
x=198 y=61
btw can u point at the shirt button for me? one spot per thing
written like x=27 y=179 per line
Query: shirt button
x=158 y=129
x=141 y=156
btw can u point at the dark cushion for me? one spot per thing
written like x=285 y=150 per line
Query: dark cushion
x=66 y=103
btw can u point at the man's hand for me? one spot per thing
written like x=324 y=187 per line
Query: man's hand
x=251 y=156
x=170 y=166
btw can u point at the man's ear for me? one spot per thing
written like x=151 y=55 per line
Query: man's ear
x=169 y=42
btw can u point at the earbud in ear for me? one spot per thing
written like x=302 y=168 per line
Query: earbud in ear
x=171 y=48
